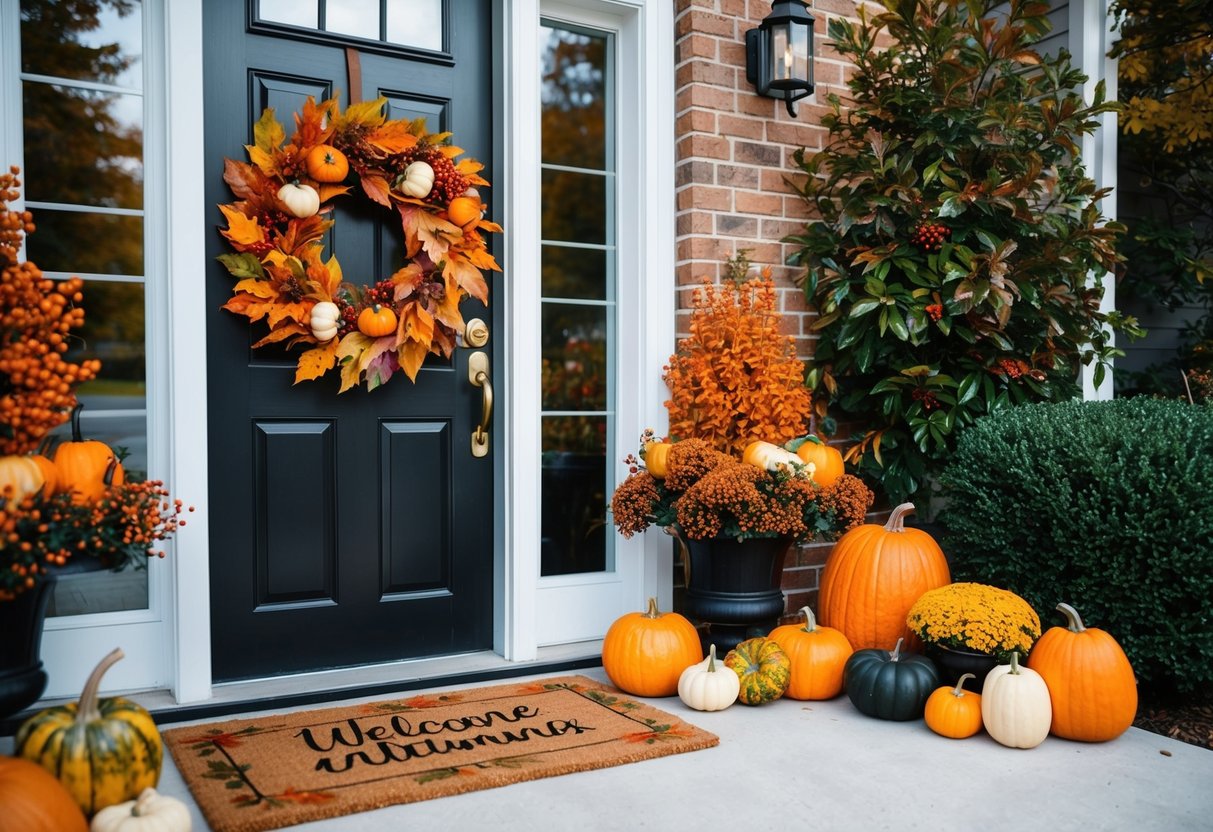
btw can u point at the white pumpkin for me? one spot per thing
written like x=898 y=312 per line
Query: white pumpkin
x=704 y=687
x=300 y=200
x=325 y=319
x=771 y=457
x=1015 y=705
x=417 y=180
x=150 y=812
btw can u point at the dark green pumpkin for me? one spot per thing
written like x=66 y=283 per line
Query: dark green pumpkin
x=889 y=685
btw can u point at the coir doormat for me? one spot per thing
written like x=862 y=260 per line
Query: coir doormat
x=273 y=771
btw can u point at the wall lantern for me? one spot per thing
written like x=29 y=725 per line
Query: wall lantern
x=779 y=53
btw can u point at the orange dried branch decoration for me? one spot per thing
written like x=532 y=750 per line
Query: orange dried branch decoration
x=736 y=378
x=37 y=316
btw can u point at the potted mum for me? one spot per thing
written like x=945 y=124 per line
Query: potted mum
x=971 y=628
x=75 y=512
x=736 y=386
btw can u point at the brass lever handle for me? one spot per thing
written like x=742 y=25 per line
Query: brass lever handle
x=478 y=375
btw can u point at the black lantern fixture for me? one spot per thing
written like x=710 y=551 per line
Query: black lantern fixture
x=779 y=53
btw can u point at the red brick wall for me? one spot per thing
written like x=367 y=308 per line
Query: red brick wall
x=734 y=149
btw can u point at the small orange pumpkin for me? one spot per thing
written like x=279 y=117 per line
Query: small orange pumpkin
x=644 y=653
x=376 y=321
x=818 y=656
x=657 y=458
x=326 y=163
x=825 y=459
x=463 y=211
x=34 y=801
x=86 y=467
x=1091 y=683
x=954 y=712
x=874 y=575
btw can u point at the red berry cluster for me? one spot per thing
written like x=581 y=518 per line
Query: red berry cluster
x=930 y=236
x=448 y=182
x=349 y=320
x=382 y=293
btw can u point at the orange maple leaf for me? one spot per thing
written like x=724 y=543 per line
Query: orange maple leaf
x=392 y=137
x=469 y=279
x=423 y=230
x=260 y=288
x=411 y=354
x=377 y=188
x=289 y=329
x=242 y=231
x=312 y=125
x=248 y=305
x=316 y=362
x=295 y=311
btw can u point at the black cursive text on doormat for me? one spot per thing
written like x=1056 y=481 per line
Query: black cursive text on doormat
x=400 y=740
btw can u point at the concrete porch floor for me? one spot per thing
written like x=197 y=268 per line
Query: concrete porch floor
x=824 y=766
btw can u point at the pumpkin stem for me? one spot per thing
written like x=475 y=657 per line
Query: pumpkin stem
x=77 y=436
x=142 y=803
x=897 y=518
x=1073 y=619
x=652 y=610
x=712 y=658
x=86 y=710
x=810 y=621
x=959 y=690
x=1015 y=662
x=896 y=654
x=110 y=471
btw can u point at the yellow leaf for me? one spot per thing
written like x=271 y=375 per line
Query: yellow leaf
x=263 y=160
x=469 y=279
x=316 y=362
x=290 y=329
x=411 y=355
x=241 y=230
x=416 y=324
x=328 y=191
x=349 y=352
x=450 y=151
x=268 y=134
x=367 y=113
x=392 y=137
x=281 y=311
x=260 y=288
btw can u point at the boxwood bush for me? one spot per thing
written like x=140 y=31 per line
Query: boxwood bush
x=1107 y=506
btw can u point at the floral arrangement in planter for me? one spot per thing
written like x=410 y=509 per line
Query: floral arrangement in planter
x=975 y=617
x=702 y=493
x=79 y=502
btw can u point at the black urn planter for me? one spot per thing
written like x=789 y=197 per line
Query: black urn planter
x=954 y=662
x=22 y=679
x=734 y=588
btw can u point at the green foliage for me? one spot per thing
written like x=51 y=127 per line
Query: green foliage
x=956 y=263
x=1107 y=506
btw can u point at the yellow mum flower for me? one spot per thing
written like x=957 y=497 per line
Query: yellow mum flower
x=975 y=617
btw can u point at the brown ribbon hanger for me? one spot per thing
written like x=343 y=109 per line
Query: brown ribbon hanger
x=353 y=69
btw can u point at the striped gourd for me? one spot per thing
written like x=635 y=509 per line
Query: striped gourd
x=104 y=751
x=764 y=669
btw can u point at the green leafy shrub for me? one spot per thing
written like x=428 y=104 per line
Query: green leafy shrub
x=1107 y=506
x=957 y=256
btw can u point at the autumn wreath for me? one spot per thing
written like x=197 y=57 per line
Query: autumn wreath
x=283 y=210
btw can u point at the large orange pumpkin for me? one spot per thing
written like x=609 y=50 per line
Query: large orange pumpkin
x=644 y=653
x=826 y=460
x=1091 y=683
x=874 y=575
x=86 y=467
x=818 y=656
x=32 y=800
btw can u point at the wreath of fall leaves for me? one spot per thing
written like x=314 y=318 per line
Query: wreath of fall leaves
x=279 y=265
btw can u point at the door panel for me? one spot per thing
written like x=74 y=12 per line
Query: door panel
x=333 y=538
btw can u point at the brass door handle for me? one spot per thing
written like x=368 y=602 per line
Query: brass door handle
x=478 y=375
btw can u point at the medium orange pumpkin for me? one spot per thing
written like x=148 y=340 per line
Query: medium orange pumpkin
x=818 y=656
x=1091 y=683
x=874 y=575
x=826 y=460
x=644 y=653
x=86 y=467
x=376 y=321
x=34 y=801
x=463 y=211
x=954 y=712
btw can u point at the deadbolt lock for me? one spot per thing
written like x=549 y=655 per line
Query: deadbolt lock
x=476 y=334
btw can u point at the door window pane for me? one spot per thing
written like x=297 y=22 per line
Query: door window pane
x=81 y=241
x=578 y=310
x=415 y=23
x=359 y=18
x=101 y=41
x=305 y=13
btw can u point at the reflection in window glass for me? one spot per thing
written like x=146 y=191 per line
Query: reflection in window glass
x=304 y=13
x=573 y=99
x=79 y=241
x=569 y=272
x=99 y=41
x=577 y=315
x=113 y=332
x=83 y=147
x=359 y=18
x=574 y=206
x=415 y=23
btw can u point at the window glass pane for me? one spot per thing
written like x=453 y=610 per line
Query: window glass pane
x=103 y=591
x=574 y=273
x=574 y=206
x=75 y=241
x=359 y=18
x=574 y=357
x=573 y=529
x=113 y=332
x=304 y=13
x=415 y=23
x=573 y=99
x=98 y=41
x=83 y=147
